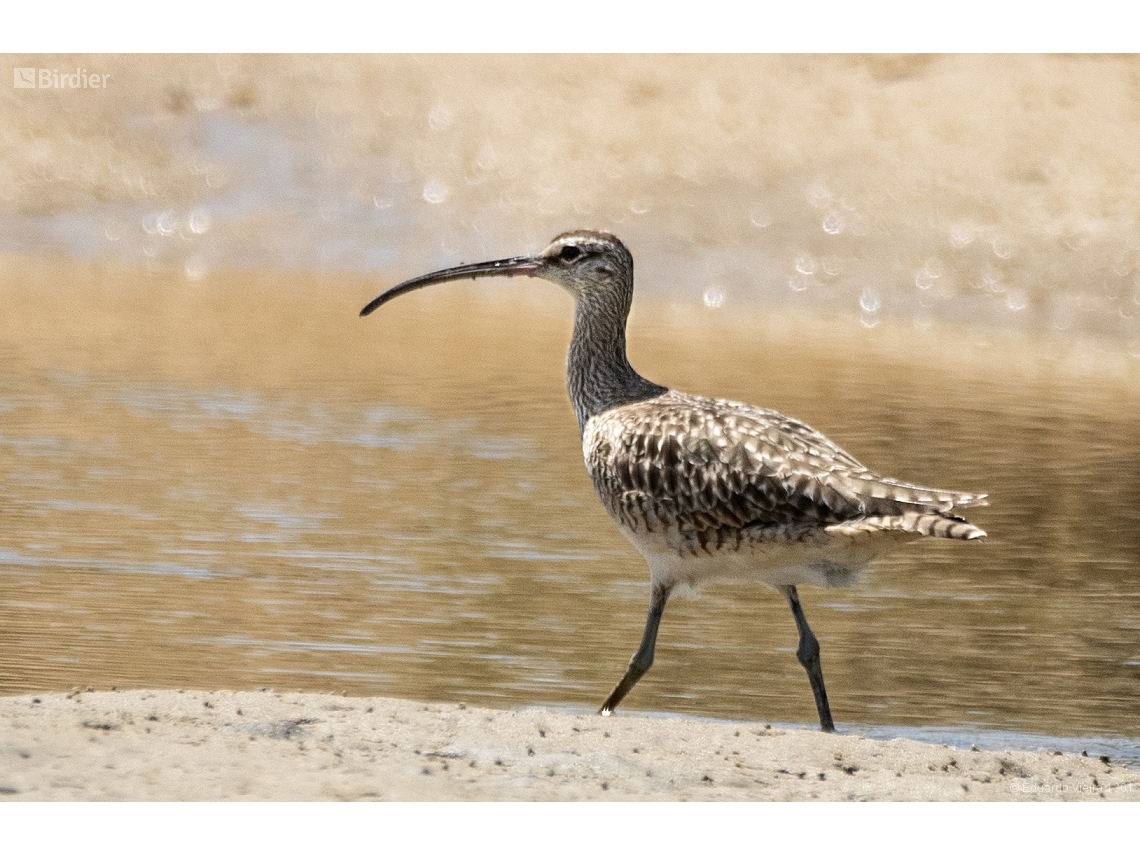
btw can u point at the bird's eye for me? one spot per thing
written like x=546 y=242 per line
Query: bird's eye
x=569 y=253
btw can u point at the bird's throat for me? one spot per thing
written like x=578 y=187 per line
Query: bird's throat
x=598 y=374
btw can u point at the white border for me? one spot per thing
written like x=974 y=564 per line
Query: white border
x=575 y=26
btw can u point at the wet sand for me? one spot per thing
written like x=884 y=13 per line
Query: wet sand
x=196 y=745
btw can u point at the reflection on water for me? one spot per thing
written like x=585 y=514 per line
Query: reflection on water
x=240 y=484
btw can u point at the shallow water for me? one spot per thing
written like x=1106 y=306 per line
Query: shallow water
x=240 y=484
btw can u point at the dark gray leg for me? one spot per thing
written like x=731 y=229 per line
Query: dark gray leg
x=808 y=654
x=643 y=658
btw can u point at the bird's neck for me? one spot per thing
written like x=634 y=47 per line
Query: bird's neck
x=598 y=374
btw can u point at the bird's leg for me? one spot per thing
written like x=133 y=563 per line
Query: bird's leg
x=643 y=658
x=808 y=654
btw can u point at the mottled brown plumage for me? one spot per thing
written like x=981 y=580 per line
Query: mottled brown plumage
x=705 y=475
x=710 y=489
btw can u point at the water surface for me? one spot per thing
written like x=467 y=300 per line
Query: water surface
x=240 y=483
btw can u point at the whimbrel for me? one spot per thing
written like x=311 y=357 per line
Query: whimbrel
x=708 y=489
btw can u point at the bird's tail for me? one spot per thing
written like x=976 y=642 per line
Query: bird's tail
x=913 y=522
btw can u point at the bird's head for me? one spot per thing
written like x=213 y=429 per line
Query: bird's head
x=589 y=264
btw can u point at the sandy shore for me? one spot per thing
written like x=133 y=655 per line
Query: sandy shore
x=191 y=745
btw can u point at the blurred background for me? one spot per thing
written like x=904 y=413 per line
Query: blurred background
x=213 y=474
x=993 y=190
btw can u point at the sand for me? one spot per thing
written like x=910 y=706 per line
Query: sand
x=199 y=745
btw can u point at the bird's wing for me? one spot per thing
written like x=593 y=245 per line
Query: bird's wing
x=703 y=464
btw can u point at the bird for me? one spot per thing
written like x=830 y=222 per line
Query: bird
x=709 y=489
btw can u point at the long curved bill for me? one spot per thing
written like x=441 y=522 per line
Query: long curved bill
x=522 y=265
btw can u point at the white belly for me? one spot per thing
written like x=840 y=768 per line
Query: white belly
x=829 y=561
